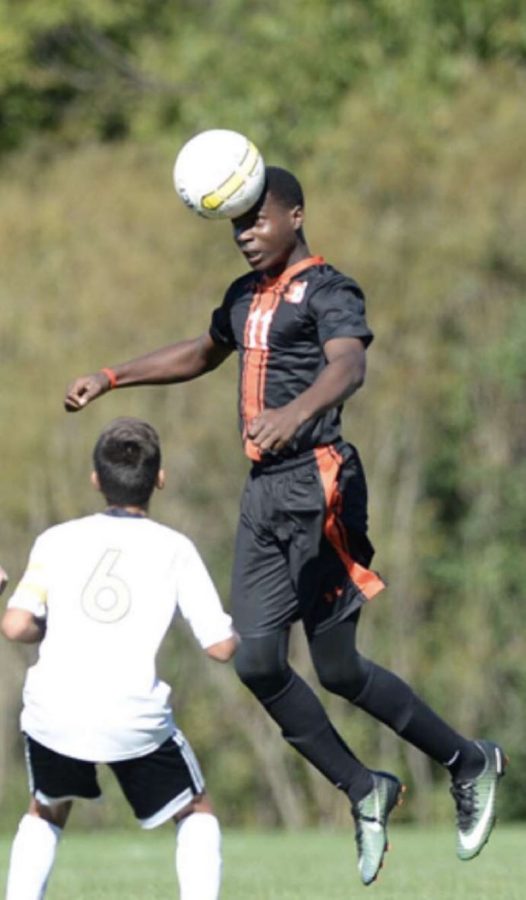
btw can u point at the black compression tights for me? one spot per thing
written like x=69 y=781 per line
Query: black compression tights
x=262 y=665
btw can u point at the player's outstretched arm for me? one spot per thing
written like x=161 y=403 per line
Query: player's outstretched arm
x=22 y=626
x=178 y=362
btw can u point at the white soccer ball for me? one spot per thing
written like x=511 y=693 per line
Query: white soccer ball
x=219 y=174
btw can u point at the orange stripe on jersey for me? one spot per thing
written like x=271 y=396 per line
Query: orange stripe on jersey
x=256 y=350
x=283 y=279
x=329 y=462
x=255 y=361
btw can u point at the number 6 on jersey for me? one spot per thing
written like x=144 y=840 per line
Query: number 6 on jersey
x=106 y=597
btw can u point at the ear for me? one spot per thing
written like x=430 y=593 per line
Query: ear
x=161 y=479
x=95 y=483
x=298 y=217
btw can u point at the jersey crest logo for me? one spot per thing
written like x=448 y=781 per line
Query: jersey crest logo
x=295 y=292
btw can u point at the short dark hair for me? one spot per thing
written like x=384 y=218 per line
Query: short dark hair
x=284 y=187
x=127 y=459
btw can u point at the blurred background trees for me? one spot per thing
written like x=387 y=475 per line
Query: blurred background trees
x=406 y=123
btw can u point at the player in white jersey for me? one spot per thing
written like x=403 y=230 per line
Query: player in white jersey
x=99 y=594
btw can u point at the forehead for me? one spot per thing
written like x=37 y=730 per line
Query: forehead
x=269 y=207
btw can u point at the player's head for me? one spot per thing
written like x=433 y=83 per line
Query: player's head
x=270 y=232
x=127 y=462
x=284 y=187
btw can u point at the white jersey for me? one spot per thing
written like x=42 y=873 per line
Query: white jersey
x=108 y=587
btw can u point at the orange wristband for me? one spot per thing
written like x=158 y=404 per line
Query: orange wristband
x=111 y=376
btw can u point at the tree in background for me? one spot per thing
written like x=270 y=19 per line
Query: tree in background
x=111 y=69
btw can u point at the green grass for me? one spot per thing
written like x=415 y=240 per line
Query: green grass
x=309 y=865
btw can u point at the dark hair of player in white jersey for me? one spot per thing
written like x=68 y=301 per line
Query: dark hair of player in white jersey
x=127 y=460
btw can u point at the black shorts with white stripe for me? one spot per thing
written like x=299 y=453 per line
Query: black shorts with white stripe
x=157 y=786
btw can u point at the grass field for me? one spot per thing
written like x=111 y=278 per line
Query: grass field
x=311 y=865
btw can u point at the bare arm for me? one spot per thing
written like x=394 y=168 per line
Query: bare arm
x=223 y=650
x=22 y=626
x=341 y=377
x=178 y=362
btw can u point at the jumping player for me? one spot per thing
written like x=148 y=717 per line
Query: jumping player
x=100 y=594
x=302 y=551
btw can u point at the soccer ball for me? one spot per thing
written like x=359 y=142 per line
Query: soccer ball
x=219 y=174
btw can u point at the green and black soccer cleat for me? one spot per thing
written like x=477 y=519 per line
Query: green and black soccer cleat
x=475 y=801
x=370 y=816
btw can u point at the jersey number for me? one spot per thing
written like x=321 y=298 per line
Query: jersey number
x=258 y=329
x=106 y=597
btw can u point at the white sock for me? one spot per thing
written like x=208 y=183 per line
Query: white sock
x=198 y=857
x=32 y=858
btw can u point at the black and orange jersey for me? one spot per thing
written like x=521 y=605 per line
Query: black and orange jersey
x=279 y=327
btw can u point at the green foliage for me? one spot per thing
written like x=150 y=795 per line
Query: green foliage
x=109 y=69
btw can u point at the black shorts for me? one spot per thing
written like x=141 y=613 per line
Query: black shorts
x=157 y=786
x=302 y=550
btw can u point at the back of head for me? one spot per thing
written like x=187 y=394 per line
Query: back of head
x=127 y=459
x=284 y=187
